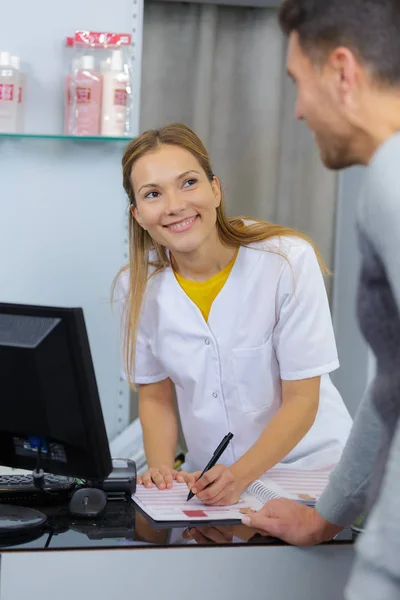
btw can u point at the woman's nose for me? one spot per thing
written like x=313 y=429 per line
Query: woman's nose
x=175 y=203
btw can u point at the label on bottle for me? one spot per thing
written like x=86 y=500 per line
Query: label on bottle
x=120 y=97
x=96 y=39
x=7 y=91
x=83 y=95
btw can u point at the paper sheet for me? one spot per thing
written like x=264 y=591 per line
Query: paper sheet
x=171 y=505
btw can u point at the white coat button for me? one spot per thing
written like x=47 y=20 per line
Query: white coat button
x=207 y=341
x=215 y=394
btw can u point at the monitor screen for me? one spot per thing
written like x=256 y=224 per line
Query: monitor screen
x=48 y=394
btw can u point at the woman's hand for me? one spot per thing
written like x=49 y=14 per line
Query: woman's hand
x=217 y=487
x=218 y=535
x=209 y=535
x=162 y=477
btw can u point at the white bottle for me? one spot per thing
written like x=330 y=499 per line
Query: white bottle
x=16 y=64
x=104 y=65
x=8 y=94
x=68 y=91
x=116 y=86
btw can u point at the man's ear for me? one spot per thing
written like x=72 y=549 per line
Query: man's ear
x=216 y=187
x=349 y=72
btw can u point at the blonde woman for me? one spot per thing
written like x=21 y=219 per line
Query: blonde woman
x=231 y=314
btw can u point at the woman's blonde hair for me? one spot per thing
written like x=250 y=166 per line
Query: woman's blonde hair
x=232 y=231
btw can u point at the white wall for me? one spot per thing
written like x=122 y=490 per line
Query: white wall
x=62 y=207
x=356 y=361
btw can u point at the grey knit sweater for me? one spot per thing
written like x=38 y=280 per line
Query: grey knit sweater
x=368 y=476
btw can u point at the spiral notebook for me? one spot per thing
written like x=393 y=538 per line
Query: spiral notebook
x=169 y=507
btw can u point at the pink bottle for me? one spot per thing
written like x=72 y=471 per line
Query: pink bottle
x=83 y=99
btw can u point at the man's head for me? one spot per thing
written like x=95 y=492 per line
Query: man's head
x=344 y=56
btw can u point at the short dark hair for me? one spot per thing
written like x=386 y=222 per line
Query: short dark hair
x=369 y=28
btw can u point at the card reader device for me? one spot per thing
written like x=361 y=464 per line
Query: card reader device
x=122 y=479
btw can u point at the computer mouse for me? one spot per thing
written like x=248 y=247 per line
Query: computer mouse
x=88 y=502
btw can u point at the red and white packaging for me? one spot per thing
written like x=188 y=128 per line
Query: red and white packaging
x=98 y=86
x=9 y=90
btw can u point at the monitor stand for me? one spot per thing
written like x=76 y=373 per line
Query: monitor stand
x=19 y=522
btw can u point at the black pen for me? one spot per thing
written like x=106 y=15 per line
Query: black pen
x=215 y=457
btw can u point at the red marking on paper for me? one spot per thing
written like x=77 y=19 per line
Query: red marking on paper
x=194 y=513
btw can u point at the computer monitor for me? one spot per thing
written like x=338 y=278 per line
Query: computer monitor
x=48 y=394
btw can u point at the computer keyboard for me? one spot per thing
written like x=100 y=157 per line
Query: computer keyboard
x=20 y=489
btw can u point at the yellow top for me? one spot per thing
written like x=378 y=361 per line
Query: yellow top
x=203 y=293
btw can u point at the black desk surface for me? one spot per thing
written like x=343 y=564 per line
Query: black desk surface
x=122 y=526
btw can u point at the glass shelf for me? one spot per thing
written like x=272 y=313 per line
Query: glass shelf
x=55 y=136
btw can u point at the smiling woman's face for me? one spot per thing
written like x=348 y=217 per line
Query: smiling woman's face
x=175 y=201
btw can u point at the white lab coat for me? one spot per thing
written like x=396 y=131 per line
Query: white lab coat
x=271 y=321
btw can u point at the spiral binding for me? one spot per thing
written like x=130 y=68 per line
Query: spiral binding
x=261 y=492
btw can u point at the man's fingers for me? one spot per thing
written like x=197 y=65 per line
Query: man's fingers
x=247 y=511
x=261 y=522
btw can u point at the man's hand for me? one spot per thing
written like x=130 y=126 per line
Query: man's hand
x=217 y=487
x=292 y=522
